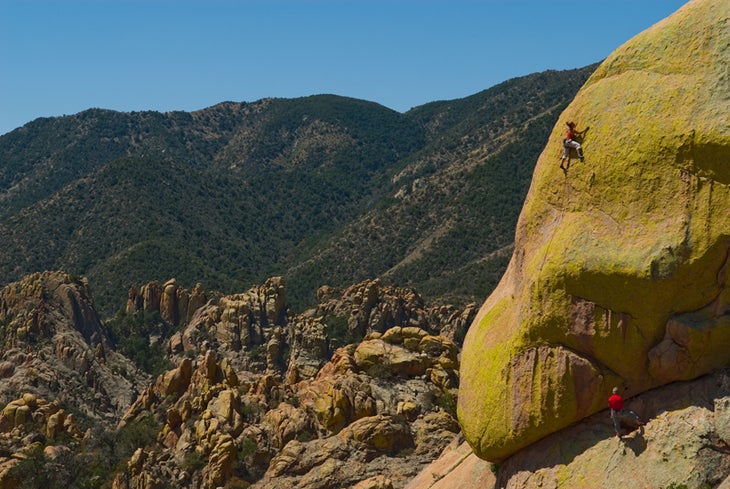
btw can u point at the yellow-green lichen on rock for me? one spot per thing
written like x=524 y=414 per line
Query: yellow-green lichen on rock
x=619 y=274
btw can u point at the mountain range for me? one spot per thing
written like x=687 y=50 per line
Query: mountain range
x=319 y=190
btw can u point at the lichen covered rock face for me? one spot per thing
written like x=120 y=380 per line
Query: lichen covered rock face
x=619 y=275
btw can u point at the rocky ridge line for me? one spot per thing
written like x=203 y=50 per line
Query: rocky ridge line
x=258 y=396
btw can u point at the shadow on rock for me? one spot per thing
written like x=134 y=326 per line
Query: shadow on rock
x=558 y=449
x=671 y=412
x=636 y=443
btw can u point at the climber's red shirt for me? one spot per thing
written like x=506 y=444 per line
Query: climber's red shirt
x=616 y=402
x=570 y=134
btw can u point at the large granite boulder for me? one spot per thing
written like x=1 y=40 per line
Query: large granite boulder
x=620 y=269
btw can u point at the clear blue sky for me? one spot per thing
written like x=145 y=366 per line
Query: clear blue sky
x=63 y=56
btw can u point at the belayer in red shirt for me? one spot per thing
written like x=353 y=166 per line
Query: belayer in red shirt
x=618 y=412
x=571 y=141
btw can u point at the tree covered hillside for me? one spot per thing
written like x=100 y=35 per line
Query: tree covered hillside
x=320 y=189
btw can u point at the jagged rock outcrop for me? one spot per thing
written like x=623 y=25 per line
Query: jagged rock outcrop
x=58 y=372
x=237 y=322
x=258 y=396
x=31 y=423
x=53 y=345
x=620 y=269
x=262 y=430
x=175 y=304
x=371 y=306
x=685 y=443
x=265 y=397
x=257 y=330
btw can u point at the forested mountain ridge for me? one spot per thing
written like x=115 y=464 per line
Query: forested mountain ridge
x=320 y=189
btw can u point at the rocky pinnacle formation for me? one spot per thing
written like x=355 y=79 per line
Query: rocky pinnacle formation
x=620 y=269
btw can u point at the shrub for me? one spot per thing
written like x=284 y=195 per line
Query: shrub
x=193 y=461
x=248 y=447
x=132 y=334
x=447 y=401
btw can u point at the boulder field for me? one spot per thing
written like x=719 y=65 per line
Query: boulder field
x=620 y=269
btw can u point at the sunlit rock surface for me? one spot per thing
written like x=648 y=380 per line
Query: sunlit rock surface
x=619 y=275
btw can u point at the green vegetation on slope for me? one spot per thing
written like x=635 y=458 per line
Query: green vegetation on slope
x=458 y=198
x=319 y=189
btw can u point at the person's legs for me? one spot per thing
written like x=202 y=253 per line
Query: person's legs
x=616 y=418
x=566 y=156
x=576 y=145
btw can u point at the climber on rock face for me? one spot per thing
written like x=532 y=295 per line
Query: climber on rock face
x=571 y=141
x=619 y=413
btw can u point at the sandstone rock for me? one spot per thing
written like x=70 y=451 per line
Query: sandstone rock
x=377 y=482
x=273 y=350
x=7 y=369
x=134 y=301
x=722 y=418
x=338 y=401
x=70 y=427
x=58 y=347
x=220 y=462
x=297 y=457
x=229 y=374
x=174 y=418
x=226 y=405
x=384 y=433
x=286 y=423
x=168 y=302
x=264 y=305
x=55 y=451
x=177 y=380
x=326 y=293
x=409 y=409
x=387 y=359
x=175 y=304
x=54 y=425
x=168 y=437
x=194 y=301
x=370 y=307
x=433 y=431
x=393 y=335
x=176 y=343
x=620 y=262
x=28 y=304
x=688 y=347
x=210 y=368
x=151 y=295
x=274 y=299
x=22 y=415
x=135 y=463
x=456 y=467
x=309 y=348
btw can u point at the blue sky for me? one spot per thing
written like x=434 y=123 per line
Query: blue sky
x=63 y=56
